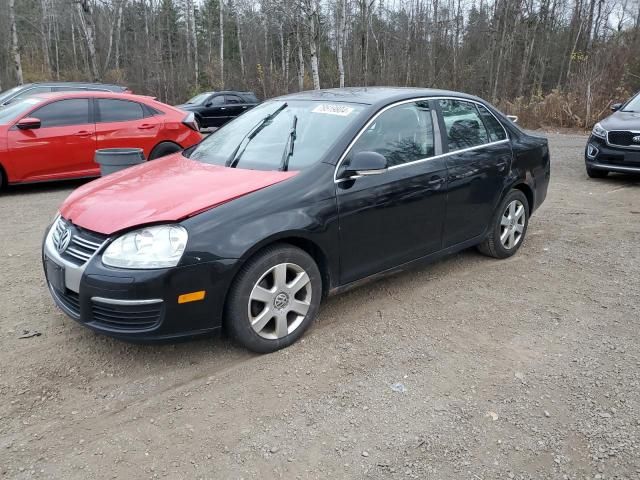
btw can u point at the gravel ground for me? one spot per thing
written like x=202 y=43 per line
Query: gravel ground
x=523 y=368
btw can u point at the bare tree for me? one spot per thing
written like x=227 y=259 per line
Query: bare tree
x=87 y=24
x=14 y=42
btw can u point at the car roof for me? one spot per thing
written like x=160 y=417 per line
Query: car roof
x=93 y=94
x=373 y=95
x=75 y=84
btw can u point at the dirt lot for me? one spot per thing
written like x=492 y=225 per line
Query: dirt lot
x=525 y=368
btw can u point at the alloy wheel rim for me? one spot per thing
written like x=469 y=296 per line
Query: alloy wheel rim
x=512 y=224
x=279 y=301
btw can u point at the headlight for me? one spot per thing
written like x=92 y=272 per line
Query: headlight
x=153 y=247
x=598 y=131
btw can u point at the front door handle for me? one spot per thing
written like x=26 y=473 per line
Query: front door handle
x=146 y=126
x=83 y=133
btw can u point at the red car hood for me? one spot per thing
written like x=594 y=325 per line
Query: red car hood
x=165 y=190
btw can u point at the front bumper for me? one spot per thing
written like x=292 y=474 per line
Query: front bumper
x=600 y=156
x=137 y=305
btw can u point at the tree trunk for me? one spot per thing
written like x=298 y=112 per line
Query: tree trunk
x=240 y=52
x=221 y=44
x=14 y=42
x=118 y=30
x=341 y=34
x=300 y=61
x=88 y=29
x=194 y=40
x=313 y=48
x=44 y=26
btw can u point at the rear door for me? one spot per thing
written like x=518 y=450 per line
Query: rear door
x=63 y=146
x=235 y=105
x=126 y=124
x=478 y=161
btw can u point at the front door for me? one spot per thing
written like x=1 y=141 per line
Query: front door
x=63 y=146
x=396 y=216
x=215 y=112
x=478 y=160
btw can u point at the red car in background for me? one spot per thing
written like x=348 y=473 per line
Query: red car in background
x=55 y=136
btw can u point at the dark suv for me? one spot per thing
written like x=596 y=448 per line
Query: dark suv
x=614 y=144
x=214 y=109
x=30 y=89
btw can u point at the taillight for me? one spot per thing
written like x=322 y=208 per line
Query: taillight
x=191 y=122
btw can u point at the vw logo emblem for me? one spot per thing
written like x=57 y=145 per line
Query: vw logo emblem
x=65 y=239
x=281 y=300
x=636 y=139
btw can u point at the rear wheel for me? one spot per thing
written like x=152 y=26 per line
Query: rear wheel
x=274 y=299
x=164 y=149
x=508 y=227
x=595 y=173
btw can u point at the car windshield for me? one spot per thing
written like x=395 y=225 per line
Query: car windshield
x=262 y=138
x=14 y=110
x=633 y=105
x=200 y=98
x=7 y=93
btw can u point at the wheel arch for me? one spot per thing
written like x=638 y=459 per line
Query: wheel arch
x=164 y=142
x=4 y=178
x=528 y=192
x=300 y=241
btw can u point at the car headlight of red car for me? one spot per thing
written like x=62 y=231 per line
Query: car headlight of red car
x=159 y=246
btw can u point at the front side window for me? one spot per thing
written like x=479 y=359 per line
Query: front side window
x=402 y=134
x=302 y=131
x=464 y=126
x=119 y=110
x=64 y=112
x=216 y=101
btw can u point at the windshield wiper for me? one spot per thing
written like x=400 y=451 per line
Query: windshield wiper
x=288 y=147
x=234 y=158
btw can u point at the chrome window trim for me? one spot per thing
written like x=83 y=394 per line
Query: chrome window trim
x=412 y=100
x=631 y=147
x=117 y=301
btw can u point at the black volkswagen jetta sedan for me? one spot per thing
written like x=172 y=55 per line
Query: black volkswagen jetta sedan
x=303 y=196
x=614 y=144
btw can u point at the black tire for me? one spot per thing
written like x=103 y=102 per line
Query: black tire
x=493 y=246
x=259 y=271
x=596 y=173
x=2 y=180
x=164 y=149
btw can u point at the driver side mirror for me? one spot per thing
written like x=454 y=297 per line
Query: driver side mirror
x=366 y=163
x=208 y=104
x=615 y=107
x=28 y=123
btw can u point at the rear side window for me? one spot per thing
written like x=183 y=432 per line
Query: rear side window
x=74 y=111
x=233 y=99
x=402 y=134
x=494 y=127
x=465 y=128
x=119 y=110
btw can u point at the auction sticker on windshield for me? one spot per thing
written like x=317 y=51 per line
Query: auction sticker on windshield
x=329 y=109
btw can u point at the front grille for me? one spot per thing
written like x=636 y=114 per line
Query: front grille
x=68 y=300
x=126 y=317
x=623 y=138
x=81 y=245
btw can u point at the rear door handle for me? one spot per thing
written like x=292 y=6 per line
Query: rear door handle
x=83 y=133
x=436 y=180
x=146 y=126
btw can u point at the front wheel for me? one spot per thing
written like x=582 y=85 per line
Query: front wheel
x=508 y=227
x=274 y=299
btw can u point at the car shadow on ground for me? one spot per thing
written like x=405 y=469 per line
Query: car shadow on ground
x=43 y=187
